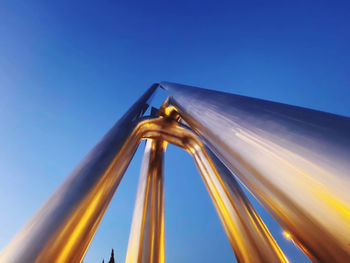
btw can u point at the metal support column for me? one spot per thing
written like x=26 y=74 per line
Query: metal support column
x=146 y=241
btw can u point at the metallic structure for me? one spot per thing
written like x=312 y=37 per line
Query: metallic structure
x=295 y=161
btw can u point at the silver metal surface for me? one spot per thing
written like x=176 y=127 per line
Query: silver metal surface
x=295 y=161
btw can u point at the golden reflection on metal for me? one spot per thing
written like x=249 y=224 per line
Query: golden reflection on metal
x=63 y=227
x=146 y=241
x=247 y=233
x=248 y=236
x=71 y=239
x=287 y=235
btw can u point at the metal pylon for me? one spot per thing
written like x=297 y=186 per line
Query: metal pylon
x=295 y=161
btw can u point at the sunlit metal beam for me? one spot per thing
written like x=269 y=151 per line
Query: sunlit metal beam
x=63 y=227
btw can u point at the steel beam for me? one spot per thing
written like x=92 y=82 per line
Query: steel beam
x=295 y=161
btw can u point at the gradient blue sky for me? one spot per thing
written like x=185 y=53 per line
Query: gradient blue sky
x=70 y=69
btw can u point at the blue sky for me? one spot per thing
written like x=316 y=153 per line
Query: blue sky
x=70 y=69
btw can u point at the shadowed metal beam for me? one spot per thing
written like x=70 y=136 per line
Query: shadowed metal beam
x=296 y=161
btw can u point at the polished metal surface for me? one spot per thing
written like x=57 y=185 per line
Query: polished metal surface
x=146 y=241
x=63 y=227
x=295 y=161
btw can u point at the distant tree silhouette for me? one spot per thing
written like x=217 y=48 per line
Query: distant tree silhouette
x=111 y=260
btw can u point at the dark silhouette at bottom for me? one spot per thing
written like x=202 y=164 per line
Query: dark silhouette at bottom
x=111 y=260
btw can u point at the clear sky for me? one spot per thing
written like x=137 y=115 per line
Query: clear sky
x=70 y=69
